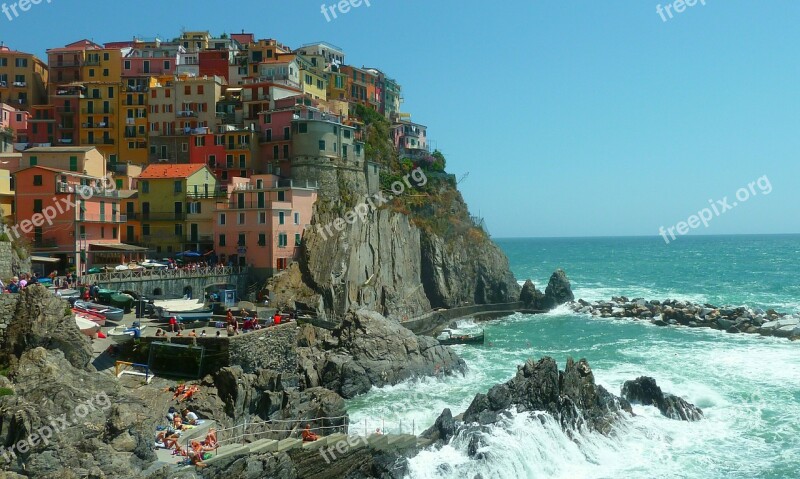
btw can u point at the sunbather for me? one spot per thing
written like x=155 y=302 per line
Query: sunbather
x=309 y=436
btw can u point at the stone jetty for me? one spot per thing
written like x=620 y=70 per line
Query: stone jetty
x=741 y=319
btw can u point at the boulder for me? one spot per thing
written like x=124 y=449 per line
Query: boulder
x=570 y=395
x=644 y=390
x=529 y=296
x=443 y=429
x=558 y=291
x=370 y=350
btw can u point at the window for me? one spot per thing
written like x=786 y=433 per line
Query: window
x=344 y=151
x=212 y=161
x=34 y=160
x=268 y=118
x=146 y=230
x=37 y=180
x=187 y=90
x=241 y=218
x=262 y=217
x=145 y=186
x=195 y=208
x=297 y=239
x=229 y=161
x=166 y=64
x=242 y=238
x=297 y=218
x=184 y=147
x=37 y=206
x=91 y=72
x=222 y=218
x=281 y=218
x=321 y=145
x=222 y=240
x=178 y=229
x=281 y=195
x=282 y=240
x=21 y=62
x=302 y=127
x=106 y=56
x=275 y=151
x=200 y=89
x=286 y=134
x=114 y=232
x=73 y=163
x=346 y=133
x=242 y=161
x=128 y=67
x=268 y=134
x=178 y=187
x=262 y=239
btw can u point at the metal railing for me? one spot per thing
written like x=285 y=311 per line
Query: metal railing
x=163 y=216
x=163 y=273
x=97 y=218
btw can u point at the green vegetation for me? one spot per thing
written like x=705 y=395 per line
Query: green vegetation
x=6 y=392
x=377 y=144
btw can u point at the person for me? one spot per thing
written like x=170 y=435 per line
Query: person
x=218 y=333
x=230 y=330
x=173 y=324
x=13 y=286
x=171 y=413
x=160 y=332
x=276 y=320
x=170 y=436
x=23 y=281
x=255 y=321
x=309 y=436
x=190 y=417
x=179 y=389
x=210 y=443
x=196 y=454
x=378 y=431
x=192 y=334
x=248 y=325
x=190 y=391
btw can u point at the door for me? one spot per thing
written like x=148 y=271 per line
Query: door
x=194 y=233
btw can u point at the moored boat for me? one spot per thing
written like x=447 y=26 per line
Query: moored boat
x=109 y=312
x=448 y=338
x=123 y=334
x=87 y=327
x=95 y=318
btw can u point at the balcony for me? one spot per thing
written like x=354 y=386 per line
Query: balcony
x=102 y=124
x=163 y=216
x=44 y=243
x=87 y=190
x=186 y=113
x=200 y=238
x=200 y=195
x=70 y=92
x=97 y=218
x=135 y=88
x=65 y=141
x=65 y=111
x=102 y=111
x=92 y=62
x=19 y=84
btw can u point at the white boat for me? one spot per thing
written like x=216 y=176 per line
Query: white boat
x=149 y=263
x=87 y=327
x=183 y=305
x=123 y=334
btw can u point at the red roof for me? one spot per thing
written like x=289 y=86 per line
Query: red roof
x=170 y=171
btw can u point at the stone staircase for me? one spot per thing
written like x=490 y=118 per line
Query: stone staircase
x=380 y=442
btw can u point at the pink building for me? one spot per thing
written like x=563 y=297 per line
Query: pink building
x=276 y=137
x=71 y=218
x=261 y=224
x=13 y=126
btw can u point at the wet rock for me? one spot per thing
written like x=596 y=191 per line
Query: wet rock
x=443 y=429
x=558 y=291
x=644 y=390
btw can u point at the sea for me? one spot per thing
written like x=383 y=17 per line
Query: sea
x=748 y=386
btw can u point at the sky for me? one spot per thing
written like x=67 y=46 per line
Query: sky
x=560 y=118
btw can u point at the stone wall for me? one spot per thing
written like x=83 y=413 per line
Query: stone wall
x=174 y=285
x=272 y=348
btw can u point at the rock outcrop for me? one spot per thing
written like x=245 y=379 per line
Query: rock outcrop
x=558 y=292
x=672 y=313
x=570 y=395
x=63 y=421
x=369 y=350
x=43 y=320
x=644 y=390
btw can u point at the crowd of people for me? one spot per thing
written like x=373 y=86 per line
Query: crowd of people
x=180 y=420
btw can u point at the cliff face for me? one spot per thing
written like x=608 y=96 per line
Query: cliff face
x=384 y=262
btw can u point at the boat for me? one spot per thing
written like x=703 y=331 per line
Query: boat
x=449 y=338
x=110 y=312
x=149 y=263
x=182 y=304
x=87 y=327
x=67 y=293
x=185 y=316
x=123 y=334
x=116 y=299
x=95 y=318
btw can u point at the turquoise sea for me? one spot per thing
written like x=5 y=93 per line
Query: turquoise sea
x=748 y=386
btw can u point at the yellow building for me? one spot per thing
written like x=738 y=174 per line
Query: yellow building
x=99 y=114
x=23 y=79
x=81 y=159
x=132 y=132
x=6 y=197
x=195 y=41
x=177 y=207
x=313 y=81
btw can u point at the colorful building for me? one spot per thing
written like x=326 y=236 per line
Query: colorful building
x=261 y=223
x=23 y=79
x=176 y=204
x=71 y=217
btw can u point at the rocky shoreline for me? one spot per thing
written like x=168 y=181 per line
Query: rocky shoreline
x=670 y=312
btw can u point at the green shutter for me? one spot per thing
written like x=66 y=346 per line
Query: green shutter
x=73 y=163
x=34 y=161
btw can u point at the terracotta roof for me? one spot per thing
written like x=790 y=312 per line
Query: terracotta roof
x=170 y=171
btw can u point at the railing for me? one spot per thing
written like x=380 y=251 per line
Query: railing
x=76 y=93
x=200 y=239
x=98 y=141
x=206 y=195
x=163 y=216
x=86 y=190
x=103 y=218
x=98 y=125
x=162 y=273
x=287 y=183
x=92 y=62
x=101 y=111
x=186 y=113
x=63 y=64
x=136 y=88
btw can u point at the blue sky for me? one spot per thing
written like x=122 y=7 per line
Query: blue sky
x=571 y=118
